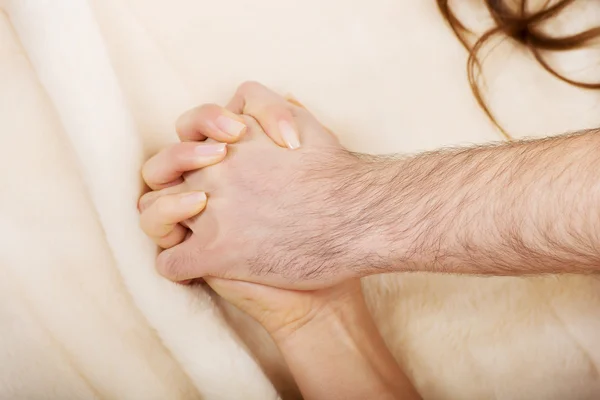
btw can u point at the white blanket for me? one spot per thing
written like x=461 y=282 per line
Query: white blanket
x=89 y=89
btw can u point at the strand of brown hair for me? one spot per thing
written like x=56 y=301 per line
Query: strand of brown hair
x=521 y=25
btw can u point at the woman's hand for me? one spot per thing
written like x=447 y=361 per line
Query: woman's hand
x=173 y=205
x=327 y=336
x=283 y=313
x=293 y=219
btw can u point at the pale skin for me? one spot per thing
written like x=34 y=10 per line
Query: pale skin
x=327 y=336
x=318 y=215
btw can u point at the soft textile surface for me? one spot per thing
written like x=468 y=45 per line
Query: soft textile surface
x=91 y=88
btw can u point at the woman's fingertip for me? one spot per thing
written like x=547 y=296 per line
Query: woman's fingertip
x=230 y=126
x=194 y=199
x=210 y=149
x=289 y=135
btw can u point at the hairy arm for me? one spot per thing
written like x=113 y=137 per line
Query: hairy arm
x=517 y=208
x=318 y=215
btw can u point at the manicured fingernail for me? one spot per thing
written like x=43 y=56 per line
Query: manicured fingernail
x=229 y=125
x=289 y=135
x=195 y=198
x=213 y=149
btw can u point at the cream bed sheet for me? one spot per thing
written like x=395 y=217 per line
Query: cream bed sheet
x=91 y=88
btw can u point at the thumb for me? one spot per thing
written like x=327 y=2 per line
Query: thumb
x=270 y=110
x=293 y=100
x=283 y=121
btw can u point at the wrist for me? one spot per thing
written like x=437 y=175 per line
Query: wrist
x=379 y=204
x=324 y=342
x=341 y=354
x=331 y=310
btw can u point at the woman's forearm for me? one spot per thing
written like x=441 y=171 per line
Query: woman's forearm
x=341 y=355
x=517 y=208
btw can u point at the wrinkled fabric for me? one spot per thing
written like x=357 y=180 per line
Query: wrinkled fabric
x=89 y=89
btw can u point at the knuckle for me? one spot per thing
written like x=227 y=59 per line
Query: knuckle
x=249 y=86
x=161 y=161
x=147 y=171
x=195 y=117
x=145 y=201
x=172 y=153
x=178 y=154
x=171 y=239
x=143 y=223
x=250 y=122
x=183 y=121
x=163 y=206
x=278 y=111
x=169 y=264
x=175 y=264
x=207 y=110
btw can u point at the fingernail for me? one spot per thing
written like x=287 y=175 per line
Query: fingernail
x=195 y=198
x=292 y=99
x=229 y=125
x=213 y=149
x=289 y=135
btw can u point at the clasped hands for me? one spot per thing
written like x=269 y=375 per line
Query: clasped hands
x=250 y=200
x=259 y=200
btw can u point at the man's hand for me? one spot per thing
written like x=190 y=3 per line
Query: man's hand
x=275 y=216
x=285 y=209
x=314 y=216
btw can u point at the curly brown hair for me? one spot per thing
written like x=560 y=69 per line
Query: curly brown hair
x=514 y=19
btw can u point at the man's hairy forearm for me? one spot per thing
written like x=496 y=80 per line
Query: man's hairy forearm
x=517 y=208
